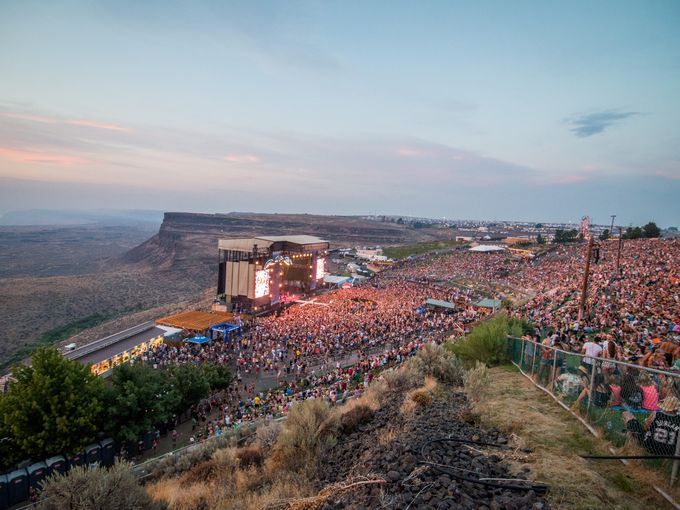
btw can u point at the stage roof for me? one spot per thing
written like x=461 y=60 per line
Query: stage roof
x=298 y=239
x=489 y=303
x=195 y=320
x=246 y=244
x=441 y=304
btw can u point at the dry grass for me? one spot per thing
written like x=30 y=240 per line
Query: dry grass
x=266 y=435
x=387 y=436
x=514 y=405
x=228 y=486
x=316 y=501
x=250 y=456
x=181 y=497
x=310 y=428
x=422 y=396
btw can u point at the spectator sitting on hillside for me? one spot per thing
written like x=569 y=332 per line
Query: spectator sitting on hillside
x=661 y=428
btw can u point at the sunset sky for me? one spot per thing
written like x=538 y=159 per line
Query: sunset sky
x=490 y=110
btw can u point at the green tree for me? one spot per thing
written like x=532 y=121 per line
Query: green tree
x=650 y=230
x=190 y=383
x=54 y=406
x=565 y=236
x=540 y=239
x=604 y=235
x=139 y=398
x=219 y=376
x=488 y=342
x=633 y=233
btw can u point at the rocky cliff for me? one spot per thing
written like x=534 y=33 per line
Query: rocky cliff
x=190 y=239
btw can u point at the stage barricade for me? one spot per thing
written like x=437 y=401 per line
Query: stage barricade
x=36 y=473
x=93 y=454
x=17 y=482
x=108 y=452
x=4 y=492
x=56 y=465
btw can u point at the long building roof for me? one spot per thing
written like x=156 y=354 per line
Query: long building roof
x=247 y=243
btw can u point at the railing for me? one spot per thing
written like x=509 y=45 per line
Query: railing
x=616 y=400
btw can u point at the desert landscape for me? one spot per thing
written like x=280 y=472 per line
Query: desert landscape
x=88 y=281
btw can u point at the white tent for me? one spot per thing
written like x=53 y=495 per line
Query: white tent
x=485 y=248
x=335 y=280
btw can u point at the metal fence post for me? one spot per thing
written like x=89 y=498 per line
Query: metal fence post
x=676 y=462
x=554 y=371
x=533 y=359
x=592 y=384
x=521 y=357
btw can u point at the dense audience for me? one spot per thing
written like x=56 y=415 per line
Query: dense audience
x=331 y=347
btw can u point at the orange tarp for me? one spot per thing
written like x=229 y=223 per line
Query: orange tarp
x=195 y=320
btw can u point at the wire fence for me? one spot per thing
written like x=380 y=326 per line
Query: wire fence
x=629 y=405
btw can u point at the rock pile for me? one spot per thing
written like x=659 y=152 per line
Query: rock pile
x=394 y=445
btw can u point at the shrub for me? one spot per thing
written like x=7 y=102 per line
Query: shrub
x=403 y=378
x=203 y=472
x=422 y=397
x=476 y=382
x=311 y=428
x=435 y=361
x=83 y=488
x=355 y=416
x=488 y=341
x=249 y=456
x=267 y=435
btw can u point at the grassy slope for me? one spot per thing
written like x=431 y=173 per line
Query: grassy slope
x=408 y=250
x=514 y=405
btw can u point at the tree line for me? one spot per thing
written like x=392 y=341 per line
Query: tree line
x=649 y=231
x=58 y=406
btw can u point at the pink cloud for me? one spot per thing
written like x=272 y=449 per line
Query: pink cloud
x=27 y=157
x=408 y=152
x=570 y=179
x=94 y=124
x=43 y=119
x=33 y=118
x=241 y=158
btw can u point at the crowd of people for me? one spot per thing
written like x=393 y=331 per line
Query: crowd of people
x=330 y=347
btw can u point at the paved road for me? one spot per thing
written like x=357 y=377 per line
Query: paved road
x=112 y=349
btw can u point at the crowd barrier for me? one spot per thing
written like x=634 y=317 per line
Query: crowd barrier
x=616 y=400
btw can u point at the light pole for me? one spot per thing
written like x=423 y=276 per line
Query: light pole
x=586 y=274
x=611 y=230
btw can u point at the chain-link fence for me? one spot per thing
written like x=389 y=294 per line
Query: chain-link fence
x=628 y=404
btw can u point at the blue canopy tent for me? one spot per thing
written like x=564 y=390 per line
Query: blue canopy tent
x=198 y=340
x=225 y=328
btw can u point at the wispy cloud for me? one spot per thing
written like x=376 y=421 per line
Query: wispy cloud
x=242 y=158
x=38 y=156
x=47 y=119
x=594 y=123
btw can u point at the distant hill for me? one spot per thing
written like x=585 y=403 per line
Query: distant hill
x=60 y=278
x=190 y=239
x=81 y=217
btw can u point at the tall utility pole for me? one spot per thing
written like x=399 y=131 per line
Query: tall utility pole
x=618 y=254
x=586 y=274
x=611 y=230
